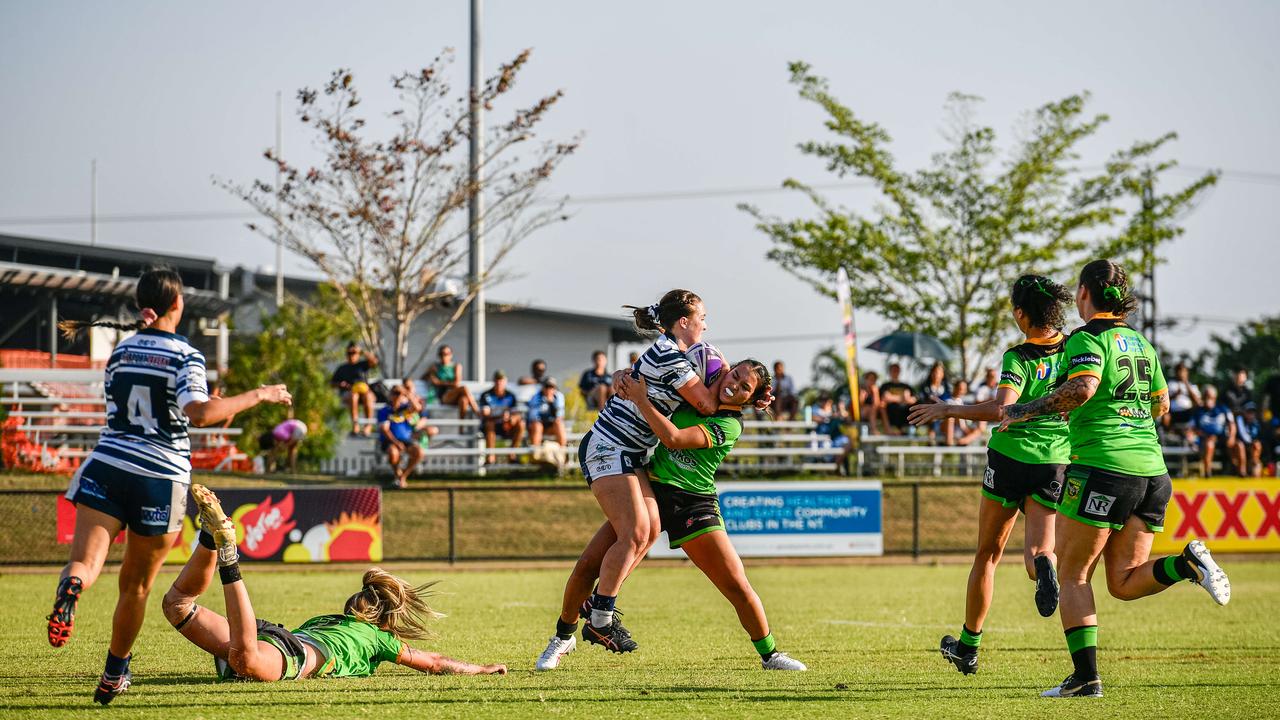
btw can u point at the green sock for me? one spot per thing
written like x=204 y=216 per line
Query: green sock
x=1171 y=569
x=970 y=640
x=765 y=645
x=1082 y=641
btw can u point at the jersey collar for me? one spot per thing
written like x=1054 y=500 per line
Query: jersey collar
x=1054 y=340
x=1106 y=316
x=161 y=333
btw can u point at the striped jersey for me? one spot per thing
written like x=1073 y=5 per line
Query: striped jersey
x=150 y=377
x=665 y=369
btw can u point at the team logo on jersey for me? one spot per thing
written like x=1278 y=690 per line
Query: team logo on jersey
x=1099 y=504
x=1042 y=370
x=1122 y=343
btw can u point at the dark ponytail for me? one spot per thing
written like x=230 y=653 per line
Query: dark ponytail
x=663 y=315
x=158 y=289
x=1041 y=299
x=1108 y=287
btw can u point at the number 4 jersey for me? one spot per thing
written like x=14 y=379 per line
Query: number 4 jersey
x=1114 y=430
x=150 y=378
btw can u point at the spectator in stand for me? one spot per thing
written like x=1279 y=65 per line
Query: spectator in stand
x=423 y=430
x=497 y=410
x=1184 y=398
x=987 y=390
x=1249 y=442
x=1271 y=417
x=896 y=399
x=826 y=415
x=596 y=383
x=1238 y=394
x=786 y=402
x=869 y=396
x=352 y=379
x=957 y=431
x=546 y=414
x=446 y=377
x=396 y=421
x=1214 y=425
x=934 y=390
x=537 y=373
x=282 y=442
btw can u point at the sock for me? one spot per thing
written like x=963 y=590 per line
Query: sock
x=969 y=641
x=565 y=630
x=229 y=573
x=206 y=539
x=602 y=609
x=116 y=666
x=1082 y=641
x=766 y=646
x=1170 y=570
x=228 y=555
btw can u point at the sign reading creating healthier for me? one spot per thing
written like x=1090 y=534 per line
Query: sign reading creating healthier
x=799 y=519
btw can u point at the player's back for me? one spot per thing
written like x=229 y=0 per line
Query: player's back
x=150 y=377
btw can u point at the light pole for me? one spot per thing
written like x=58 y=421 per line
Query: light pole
x=475 y=265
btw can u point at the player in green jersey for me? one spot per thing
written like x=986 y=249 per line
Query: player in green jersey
x=1025 y=465
x=371 y=629
x=1117 y=486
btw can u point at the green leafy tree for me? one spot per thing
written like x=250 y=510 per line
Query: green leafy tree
x=939 y=251
x=298 y=346
x=1254 y=346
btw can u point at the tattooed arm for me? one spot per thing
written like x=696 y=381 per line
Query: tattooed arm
x=1069 y=396
x=1159 y=405
x=437 y=664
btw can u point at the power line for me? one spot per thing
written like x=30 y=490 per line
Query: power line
x=1242 y=176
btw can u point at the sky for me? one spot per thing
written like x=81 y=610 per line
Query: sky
x=672 y=98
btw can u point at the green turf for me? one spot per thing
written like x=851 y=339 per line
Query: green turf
x=868 y=633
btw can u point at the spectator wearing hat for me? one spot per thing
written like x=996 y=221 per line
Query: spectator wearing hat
x=352 y=380
x=497 y=412
x=596 y=382
x=537 y=373
x=546 y=414
x=1249 y=442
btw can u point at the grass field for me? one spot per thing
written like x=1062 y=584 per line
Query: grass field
x=868 y=632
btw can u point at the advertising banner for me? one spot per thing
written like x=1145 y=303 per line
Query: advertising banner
x=798 y=519
x=289 y=524
x=1229 y=515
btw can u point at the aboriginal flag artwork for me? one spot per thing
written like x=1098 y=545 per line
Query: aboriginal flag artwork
x=290 y=524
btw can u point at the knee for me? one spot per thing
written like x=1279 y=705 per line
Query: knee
x=176 y=605
x=1120 y=589
x=988 y=553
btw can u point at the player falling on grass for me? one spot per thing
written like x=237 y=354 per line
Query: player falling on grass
x=371 y=629
x=137 y=475
x=682 y=477
x=613 y=453
x=1117 y=487
x=1025 y=465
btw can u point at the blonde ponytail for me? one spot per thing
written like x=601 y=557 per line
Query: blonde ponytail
x=392 y=604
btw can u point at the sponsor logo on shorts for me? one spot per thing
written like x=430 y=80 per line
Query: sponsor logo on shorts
x=989 y=478
x=1099 y=504
x=1086 y=359
x=1055 y=489
x=1073 y=488
x=91 y=488
x=689 y=523
x=154 y=515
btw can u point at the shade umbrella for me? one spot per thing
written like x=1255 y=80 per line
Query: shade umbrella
x=912 y=344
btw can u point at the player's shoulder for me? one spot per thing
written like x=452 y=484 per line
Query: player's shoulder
x=1033 y=350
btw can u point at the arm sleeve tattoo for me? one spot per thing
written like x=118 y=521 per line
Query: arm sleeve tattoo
x=1069 y=396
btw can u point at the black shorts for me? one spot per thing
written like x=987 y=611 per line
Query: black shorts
x=686 y=515
x=1010 y=482
x=146 y=505
x=1107 y=500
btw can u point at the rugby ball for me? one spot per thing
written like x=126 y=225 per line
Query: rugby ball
x=707 y=361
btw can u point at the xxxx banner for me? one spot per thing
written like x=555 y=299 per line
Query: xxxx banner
x=1230 y=515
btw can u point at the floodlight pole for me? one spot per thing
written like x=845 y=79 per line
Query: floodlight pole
x=475 y=265
x=93 y=202
x=279 y=226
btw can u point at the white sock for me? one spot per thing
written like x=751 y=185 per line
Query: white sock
x=601 y=618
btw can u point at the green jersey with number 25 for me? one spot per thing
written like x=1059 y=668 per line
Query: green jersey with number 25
x=1114 y=430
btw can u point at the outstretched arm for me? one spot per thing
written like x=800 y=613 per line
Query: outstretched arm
x=217 y=409
x=1069 y=396
x=988 y=411
x=437 y=664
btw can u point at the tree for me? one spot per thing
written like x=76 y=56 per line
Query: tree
x=939 y=252
x=386 y=220
x=299 y=346
x=1255 y=346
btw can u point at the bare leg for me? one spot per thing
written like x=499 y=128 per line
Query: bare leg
x=995 y=523
x=248 y=656
x=621 y=498
x=1079 y=547
x=93 y=535
x=558 y=430
x=578 y=588
x=1129 y=573
x=1038 y=535
x=143 y=556
x=715 y=557
x=206 y=628
x=535 y=433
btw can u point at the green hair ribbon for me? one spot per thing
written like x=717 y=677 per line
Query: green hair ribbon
x=1112 y=292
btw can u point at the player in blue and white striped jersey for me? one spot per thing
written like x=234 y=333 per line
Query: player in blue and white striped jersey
x=138 y=474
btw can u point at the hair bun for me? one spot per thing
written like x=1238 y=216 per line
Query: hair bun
x=1112 y=292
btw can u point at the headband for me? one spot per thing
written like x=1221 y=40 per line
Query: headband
x=652 y=312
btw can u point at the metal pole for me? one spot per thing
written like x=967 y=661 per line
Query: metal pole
x=93 y=202
x=453 y=553
x=1148 y=208
x=53 y=331
x=915 y=519
x=475 y=265
x=279 y=232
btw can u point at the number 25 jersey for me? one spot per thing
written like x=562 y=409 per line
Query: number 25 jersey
x=1114 y=430
x=150 y=377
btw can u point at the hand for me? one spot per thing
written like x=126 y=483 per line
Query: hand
x=764 y=402
x=629 y=388
x=494 y=669
x=926 y=413
x=1006 y=419
x=278 y=394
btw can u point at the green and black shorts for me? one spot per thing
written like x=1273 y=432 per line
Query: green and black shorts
x=1107 y=500
x=686 y=515
x=1010 y=482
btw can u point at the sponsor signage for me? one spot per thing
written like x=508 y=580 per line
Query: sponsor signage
x=289 y=524
x=798 y=519
x=1229 y=515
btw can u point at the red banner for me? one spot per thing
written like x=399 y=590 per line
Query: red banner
x=1229 y=515
x=290 y=525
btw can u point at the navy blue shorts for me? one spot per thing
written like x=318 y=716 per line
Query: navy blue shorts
x=146 y=505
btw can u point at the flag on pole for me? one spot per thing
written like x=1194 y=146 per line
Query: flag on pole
x=850 y=354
